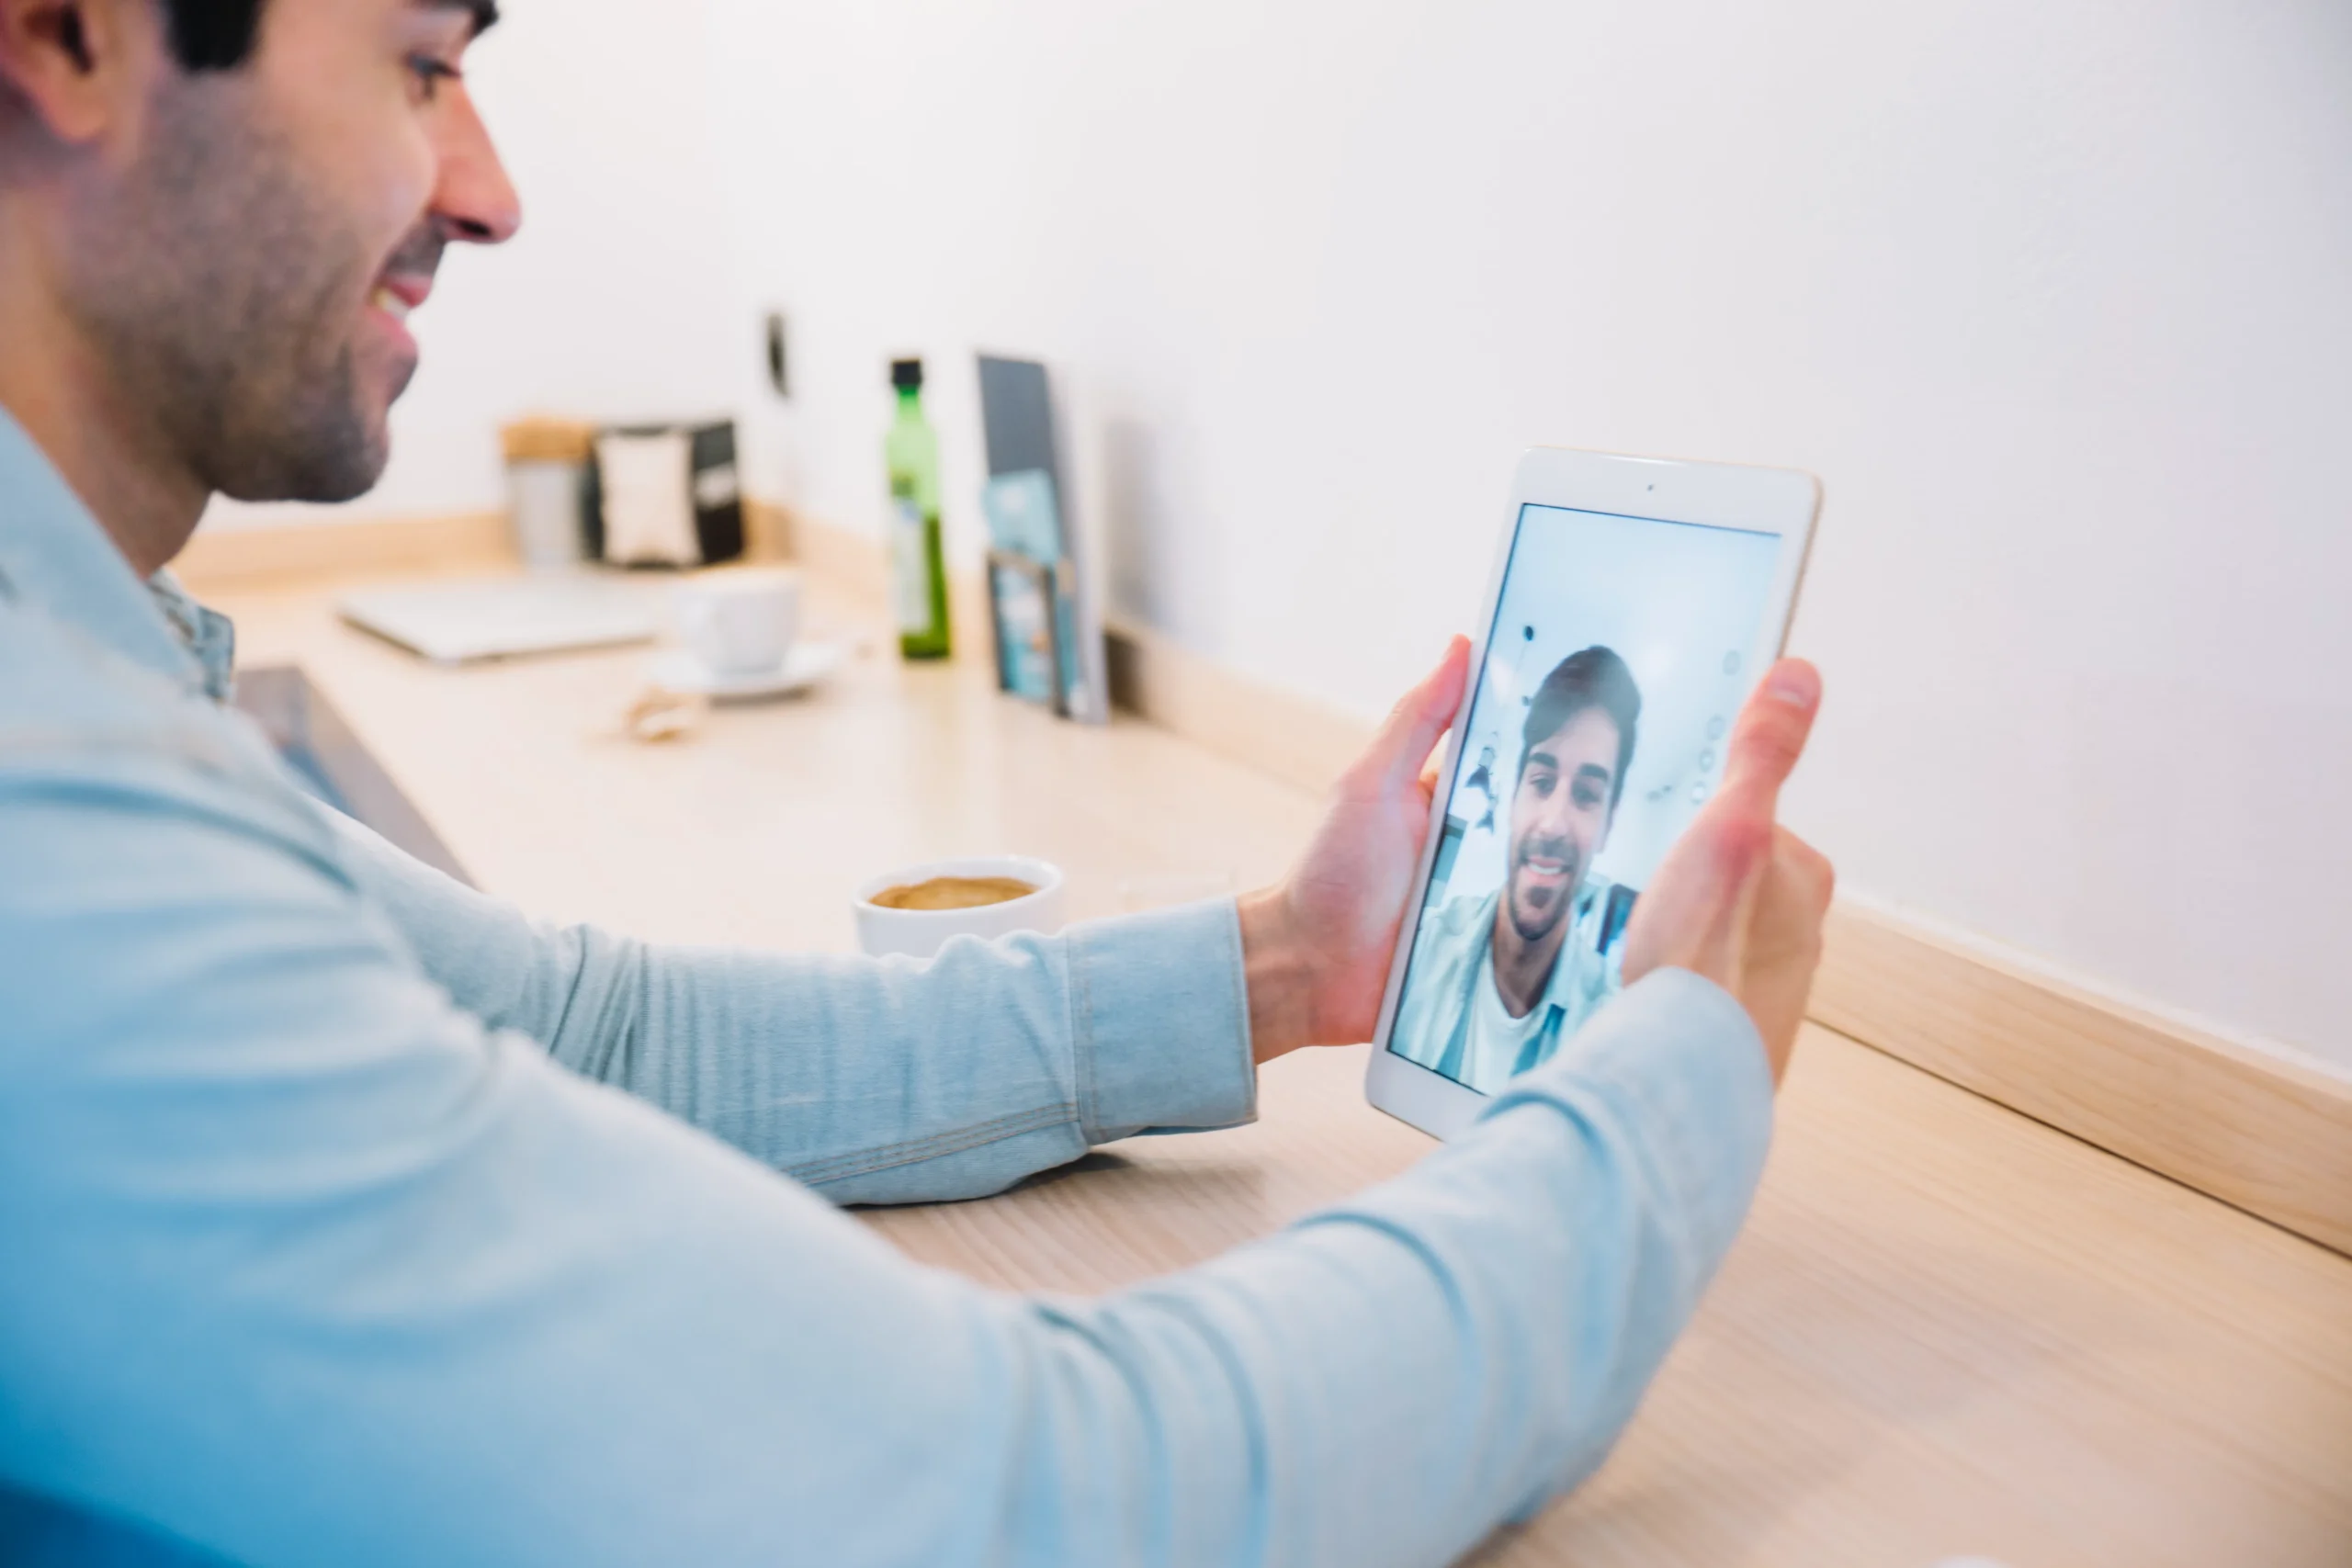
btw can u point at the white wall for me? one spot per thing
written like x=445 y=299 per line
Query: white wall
x=2056 y=298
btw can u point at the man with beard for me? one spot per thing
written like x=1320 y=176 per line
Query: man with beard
x=348 y=1217
x=1497 y=982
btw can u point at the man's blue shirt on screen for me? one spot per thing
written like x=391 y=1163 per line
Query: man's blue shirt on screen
x=1437 y=1016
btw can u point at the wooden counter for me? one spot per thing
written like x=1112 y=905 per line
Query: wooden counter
x=1948 y=1330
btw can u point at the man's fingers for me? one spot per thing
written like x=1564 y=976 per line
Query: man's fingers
x=1403 y=746
x=1772 y=734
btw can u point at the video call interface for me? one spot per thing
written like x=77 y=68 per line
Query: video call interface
x=1619 y=657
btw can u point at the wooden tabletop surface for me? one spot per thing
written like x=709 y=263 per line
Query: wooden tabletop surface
x=1949 y=1331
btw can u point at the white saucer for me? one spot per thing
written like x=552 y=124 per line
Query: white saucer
x=808 y=663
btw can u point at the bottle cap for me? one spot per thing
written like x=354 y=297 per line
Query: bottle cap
x=906 y=375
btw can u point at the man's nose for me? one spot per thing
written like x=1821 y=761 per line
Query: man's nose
x=475 y=200
x=1558 y=815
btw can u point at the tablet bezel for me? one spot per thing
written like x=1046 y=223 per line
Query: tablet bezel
x=1783 y=501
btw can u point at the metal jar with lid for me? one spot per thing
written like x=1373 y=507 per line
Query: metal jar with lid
x=548 y=466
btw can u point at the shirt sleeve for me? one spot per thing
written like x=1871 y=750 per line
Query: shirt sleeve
x=305 y=1265
x=873 y=1080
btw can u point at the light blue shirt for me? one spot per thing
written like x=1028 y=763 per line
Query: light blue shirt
x=347 y=1217
x=1453 y=956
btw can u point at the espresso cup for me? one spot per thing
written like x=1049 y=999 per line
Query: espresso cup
x=740 y=620
x=920 y=934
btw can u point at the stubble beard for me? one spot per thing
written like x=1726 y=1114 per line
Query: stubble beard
x=1534 y=925
x=223 y=299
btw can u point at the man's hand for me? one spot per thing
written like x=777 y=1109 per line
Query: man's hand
x=1740 y=899
x=1317 y=948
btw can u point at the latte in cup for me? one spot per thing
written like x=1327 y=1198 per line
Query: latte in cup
x=955 y=893
x=916 y=909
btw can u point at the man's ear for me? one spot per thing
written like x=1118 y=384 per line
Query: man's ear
x=75 y=64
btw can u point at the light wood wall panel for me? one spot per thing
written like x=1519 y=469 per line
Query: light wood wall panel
x=221 y=560
x=2252 y=1128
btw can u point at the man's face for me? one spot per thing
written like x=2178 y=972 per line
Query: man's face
x=1559 y=820
x=247 y=277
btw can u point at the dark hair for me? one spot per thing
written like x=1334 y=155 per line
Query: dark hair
x=1595 y=678
x=219 y=35
x=214 y=35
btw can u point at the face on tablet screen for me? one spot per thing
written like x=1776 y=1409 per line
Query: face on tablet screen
x=1619 y=657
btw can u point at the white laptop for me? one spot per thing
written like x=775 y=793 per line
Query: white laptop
x=457 y=622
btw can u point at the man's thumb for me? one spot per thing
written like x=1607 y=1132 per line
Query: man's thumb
x=1772 y=731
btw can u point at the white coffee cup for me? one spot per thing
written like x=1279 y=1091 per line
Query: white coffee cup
x=740 y=620
x=921 y=933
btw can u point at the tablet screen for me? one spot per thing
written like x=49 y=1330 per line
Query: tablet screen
x=1621 y=651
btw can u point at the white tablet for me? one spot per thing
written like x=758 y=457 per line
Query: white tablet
x=1635 y=603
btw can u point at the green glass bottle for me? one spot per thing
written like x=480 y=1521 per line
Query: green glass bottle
x=918 y=567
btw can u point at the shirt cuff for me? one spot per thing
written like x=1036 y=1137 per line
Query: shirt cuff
x=1162 y=1014
x=1678 y=1061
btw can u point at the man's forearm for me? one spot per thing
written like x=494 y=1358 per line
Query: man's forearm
x=875 y=1081
x=889 y=1081
x=1394 y=1376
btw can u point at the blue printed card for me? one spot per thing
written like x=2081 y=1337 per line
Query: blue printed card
x=1023 y=517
